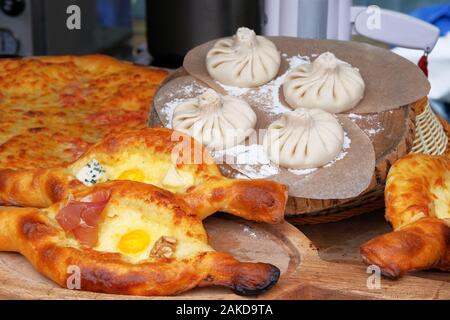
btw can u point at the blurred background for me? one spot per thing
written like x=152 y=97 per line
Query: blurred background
x=161 y=32
x=399 y=5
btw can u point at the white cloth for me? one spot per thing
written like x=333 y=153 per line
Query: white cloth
x=438 y=67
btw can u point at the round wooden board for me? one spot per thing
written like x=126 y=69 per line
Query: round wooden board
x=282 y=245
x=391 y=143
x=304 y=274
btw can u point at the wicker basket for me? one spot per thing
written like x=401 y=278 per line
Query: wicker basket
x=432 y=137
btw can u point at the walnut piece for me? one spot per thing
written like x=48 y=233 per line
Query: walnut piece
x=164 y=248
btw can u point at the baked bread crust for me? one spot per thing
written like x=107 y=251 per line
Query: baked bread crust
x=52 y=109
x=157 y=150
x=417 y=200
x=38 y=235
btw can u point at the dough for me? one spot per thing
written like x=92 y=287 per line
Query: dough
x=245 y=60
x=304 y=139
x=327 y=83
x=219 y=122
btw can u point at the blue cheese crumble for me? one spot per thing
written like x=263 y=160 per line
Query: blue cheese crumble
x=91 y=173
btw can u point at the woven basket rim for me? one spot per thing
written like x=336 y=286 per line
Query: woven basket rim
x=369 y=200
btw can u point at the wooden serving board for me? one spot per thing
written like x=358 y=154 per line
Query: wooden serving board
x=305 y=274
x=392 y=142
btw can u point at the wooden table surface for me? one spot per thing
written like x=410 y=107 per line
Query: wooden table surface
x=339 y=242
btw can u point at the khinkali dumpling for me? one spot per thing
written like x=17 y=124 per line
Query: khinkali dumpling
x=304 y=139
x=219 y=122
x=327 y=83
x=245 y=60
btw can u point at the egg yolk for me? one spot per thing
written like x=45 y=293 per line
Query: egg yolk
x=134 y=242
x=132 y=175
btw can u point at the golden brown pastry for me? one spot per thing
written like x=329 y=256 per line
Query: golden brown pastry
x=126 y=237
x=54 y=108
x=162 y=157
x=417 y=200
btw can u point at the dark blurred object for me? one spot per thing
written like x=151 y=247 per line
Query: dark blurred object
x=39 y=27
x=442 y=109
x=9 y=44
x=114 y=13
x=176 y=26
x=114 y=27
x=7 y=56
x=12 y=8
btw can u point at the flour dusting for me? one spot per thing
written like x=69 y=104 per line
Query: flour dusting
x=185 y=91
x=354 y=116
x=234 y=91
x=252 y=157
x=255 y=164
x=344 y=152
x=268 y=95
x=302 y=172
x=369 y=123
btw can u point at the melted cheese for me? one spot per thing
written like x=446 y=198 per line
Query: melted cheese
x=153 y=173
x=442 y=199
x=54 y=108
x=176 y=180
x=136 y=167
x=134 y=233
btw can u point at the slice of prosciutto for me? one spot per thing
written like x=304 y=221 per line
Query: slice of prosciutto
x=81 y=217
